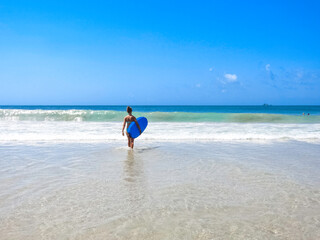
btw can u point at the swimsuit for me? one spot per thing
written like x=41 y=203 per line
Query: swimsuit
x=128 y=123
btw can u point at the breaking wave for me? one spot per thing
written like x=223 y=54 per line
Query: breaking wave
x=115 y=116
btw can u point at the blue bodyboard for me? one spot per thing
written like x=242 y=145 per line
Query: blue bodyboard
x=133 y=129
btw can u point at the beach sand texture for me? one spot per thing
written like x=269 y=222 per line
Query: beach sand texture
x=160 y=190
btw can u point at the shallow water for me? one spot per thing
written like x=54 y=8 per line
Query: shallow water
x=33 y=131
x=160 y=190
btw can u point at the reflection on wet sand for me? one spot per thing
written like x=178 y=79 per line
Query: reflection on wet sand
x=203 y=190
x=133 y=176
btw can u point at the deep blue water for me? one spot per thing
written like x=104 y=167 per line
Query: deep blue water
x=272 y=109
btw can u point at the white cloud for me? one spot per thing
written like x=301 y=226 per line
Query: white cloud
x=231 y=77
x=211 y=69
x=198 y=85
x=299 y=74
x=268 y=67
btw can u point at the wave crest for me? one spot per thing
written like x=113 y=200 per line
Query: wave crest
x=115 y=116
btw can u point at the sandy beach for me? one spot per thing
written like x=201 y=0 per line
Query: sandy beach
x=160 y=190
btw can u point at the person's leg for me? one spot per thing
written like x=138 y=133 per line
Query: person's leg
x=129 y=140
x=132 y=142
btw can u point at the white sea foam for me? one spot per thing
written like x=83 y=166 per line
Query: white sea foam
x=115 y=116
x=110 y=131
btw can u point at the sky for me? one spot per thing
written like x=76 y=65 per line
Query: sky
x=159 y=52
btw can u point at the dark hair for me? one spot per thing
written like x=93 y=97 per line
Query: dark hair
x=129 y=109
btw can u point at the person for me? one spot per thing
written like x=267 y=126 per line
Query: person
x=128 y=120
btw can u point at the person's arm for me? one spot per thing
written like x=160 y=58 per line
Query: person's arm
x=124 y=125
x=135 y=120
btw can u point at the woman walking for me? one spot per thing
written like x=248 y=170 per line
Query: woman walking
x=128 y=120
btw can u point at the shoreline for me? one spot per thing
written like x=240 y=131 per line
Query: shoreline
x=160 y=190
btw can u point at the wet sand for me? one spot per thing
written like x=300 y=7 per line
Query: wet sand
x=160 y=190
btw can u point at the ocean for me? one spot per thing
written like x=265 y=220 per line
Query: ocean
x=197 y=172
x=103 y=123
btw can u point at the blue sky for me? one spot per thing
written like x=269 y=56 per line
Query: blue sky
x=159 y=52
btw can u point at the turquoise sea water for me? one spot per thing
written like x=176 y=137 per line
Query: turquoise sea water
x=236 y=114
x=166 y=123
